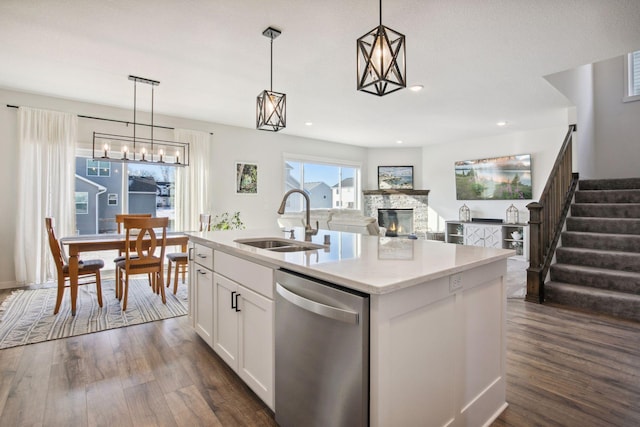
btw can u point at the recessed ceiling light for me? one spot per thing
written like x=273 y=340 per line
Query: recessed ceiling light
x=308 y=123
x=398 y=142
x=502 y=123
x=416 y=88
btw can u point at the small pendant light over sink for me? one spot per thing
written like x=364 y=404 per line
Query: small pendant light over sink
x=381 y=60
x=271 y=107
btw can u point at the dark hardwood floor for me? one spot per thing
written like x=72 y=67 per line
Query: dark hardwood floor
x=569 y=368
x=564 y=368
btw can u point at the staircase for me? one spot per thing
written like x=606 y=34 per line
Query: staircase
x=598 y=265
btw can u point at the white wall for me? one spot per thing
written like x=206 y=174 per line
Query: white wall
x=233 y=144
x=439 y=176
x=577 y=86
x=397 y=156
x=617 y=123
x=607 y=138
x=8 y=171
x=230 y=144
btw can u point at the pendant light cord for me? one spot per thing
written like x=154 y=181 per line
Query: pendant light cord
x=135 y=97
x=271 y=75
x=152 y=90
x=381 y=13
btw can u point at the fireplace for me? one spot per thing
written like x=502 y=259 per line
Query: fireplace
x=400 y=200
x=398 y=222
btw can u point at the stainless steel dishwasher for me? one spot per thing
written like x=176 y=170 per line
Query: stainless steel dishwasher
x=322 y=353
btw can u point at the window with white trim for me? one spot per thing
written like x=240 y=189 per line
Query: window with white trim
x=632 y=77
x=122 y=188
x=82 y=203
x=329 y=184
x=98 y=168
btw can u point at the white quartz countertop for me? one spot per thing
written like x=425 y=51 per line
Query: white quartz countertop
x=370 y=264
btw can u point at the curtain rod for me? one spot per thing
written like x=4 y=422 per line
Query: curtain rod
x=115 y=121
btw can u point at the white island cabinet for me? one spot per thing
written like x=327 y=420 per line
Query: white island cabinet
x=243 y=321
x=232 y=311
x=437 y=319
x=201 y=290
x=437 y=351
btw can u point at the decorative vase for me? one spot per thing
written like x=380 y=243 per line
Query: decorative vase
x=512 y=215
x=464 y=214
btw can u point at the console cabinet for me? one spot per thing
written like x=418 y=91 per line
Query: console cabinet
x=490 y=235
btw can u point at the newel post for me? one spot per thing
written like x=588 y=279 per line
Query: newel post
x=535 y=281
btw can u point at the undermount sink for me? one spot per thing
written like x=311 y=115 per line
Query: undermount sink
x=276 y=244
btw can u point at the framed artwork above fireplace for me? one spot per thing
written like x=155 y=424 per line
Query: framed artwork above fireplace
x=395 y=177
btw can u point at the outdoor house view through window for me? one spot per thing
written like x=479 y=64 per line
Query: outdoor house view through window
x=102 y=192
x=327 y=185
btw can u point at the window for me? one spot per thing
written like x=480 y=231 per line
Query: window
x=328 y=184
x=82 y=203
x=121 y=188
x=632 y=77
x=98 y=168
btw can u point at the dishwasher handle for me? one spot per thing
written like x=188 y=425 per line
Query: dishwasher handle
x=324 y=310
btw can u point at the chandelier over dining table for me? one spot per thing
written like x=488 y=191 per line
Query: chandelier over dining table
x=125 y=148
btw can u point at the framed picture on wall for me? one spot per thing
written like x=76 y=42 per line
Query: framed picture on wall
x=395 y=177
x=496 y=178
x=246 y=178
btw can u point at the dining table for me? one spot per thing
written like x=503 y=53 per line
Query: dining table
x=103 y=242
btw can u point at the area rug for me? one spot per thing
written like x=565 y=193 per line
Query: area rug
x=26 y=317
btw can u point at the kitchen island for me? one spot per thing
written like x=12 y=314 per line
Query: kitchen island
x=436 y=321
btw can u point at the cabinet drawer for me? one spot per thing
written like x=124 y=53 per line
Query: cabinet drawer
x=203 y=255
x=256 y=277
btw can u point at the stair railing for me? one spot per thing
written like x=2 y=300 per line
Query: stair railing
x=547 y=217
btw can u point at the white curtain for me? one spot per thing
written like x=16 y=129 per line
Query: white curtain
x=46 y=172
x=192 y=193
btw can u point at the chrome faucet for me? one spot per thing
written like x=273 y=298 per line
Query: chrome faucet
x=308 y=231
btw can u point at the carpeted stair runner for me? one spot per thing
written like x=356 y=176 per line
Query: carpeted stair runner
x=598 y=263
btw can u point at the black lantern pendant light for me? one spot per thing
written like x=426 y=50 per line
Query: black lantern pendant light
x=381 y=60
x=271 y=107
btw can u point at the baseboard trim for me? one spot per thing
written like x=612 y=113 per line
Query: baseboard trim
x=10 y=285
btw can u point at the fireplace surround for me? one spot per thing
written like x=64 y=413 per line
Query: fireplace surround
x=415 y=200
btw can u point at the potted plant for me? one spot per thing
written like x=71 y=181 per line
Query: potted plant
x=225 y=221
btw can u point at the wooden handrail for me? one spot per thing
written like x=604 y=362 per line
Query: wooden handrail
x=547 y=217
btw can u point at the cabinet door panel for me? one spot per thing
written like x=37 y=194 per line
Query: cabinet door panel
x=256 y=277
x=225 y=322
x=473 y=235
x=203 y=302
x=191 y=287
x=493 y=236
x=256 y=358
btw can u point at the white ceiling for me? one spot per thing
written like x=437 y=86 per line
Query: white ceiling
x=480 y=61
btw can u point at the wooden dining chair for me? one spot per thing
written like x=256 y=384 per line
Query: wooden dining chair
x=181 y=259
x=142 y=241
x=85 y=268
x=119 y=221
